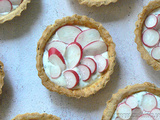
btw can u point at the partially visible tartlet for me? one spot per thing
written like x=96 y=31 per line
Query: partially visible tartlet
x=1 y=76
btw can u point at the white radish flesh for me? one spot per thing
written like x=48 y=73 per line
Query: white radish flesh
x=5 y=6
x=16 y=2
x=55 y=72
x=68 y=33
x=145 y=117
x=156 y=113
x=136 y=113
x=151 y=21
x=85 y=72
x=156 y=53
x=132 y=102
x=87 y=36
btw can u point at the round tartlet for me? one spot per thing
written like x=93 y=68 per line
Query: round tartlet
x=1 y=76
x=120 y=98
x=36 y=116
x=147 y=10
x=105 y=76
x=96 y=3
x=15 y=12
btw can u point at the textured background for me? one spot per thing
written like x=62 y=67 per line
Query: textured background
x=23 y=91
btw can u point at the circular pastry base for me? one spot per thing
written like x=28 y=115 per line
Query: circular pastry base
x=138 y=33
x=105 y=76
x=1 y=76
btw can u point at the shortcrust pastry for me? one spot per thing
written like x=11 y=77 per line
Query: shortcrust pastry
x=1 y=76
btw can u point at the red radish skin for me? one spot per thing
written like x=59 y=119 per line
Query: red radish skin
x=146 y=117
x=151 y=21
x=16 y=2
x=72 y=78
x=155 y=53
x=156 y=113
x=136 y=113
x=55 y=72
x=5 y=6
x=132 y=102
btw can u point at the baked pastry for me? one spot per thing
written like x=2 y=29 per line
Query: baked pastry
x=137 y=102
x=96 y=3
x=11 y=8
x=1 y=76
x=75 y=56
x=36 y=116
x=147 y=34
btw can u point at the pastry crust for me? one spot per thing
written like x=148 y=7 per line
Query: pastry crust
x=105 y=76
x=16 y=12
x=124 y=93
x=36 y=116
x=1 y=76
x=96 y=3
x=138 y=33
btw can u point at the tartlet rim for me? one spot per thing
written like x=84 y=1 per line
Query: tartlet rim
x=2 y=74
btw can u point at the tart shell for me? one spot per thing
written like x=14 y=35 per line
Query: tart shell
x=138 y=34
x=1 y=76
x=124 y=93
x=16 y=12
x=105 y=76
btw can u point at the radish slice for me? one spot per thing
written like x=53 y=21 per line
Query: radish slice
x=68 y=33
x=156 y=113
x=102 y=63
x=145 y=117
x=90 y=63
x=59 y=45
x=85 y=72
x=151 y=21
x=94 y=48
x=117 y=118
x=124 y=111
x=150 y=37
x=72 y=78
x=87 y=36
x=5 y=6
x=73 y=54
x=55 y=72
x=132 y=102
x=56 y=58
x=16 y=2
x=149 y=102
x=156 y=53
x=136 y=113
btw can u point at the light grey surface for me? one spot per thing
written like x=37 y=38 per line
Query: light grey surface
x=23 y=91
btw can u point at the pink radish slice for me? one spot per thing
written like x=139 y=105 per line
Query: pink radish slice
x=73 y=54
x=94 y=48
x=150 y=37
x=132 y=102
x=90 y=63
x=156 y=53
x=124 y=111
x=85 y=72
x=56 y=58
x=149 y=102
x=117 y=118
x=68 y=33
x=16 y=2
x=136 y=113
x=156 y=113
x=87 y=36
x=102 y=63
x=55 y=72
x=59 y=45
x=145 y=117
x=5 y=6
x=151 y=21
x=72 y=78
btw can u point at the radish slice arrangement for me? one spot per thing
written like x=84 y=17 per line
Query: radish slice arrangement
x=132 y=102
x=151 y=21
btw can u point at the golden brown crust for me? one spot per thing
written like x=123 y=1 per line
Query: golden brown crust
x=138 y=33
x=16 y=12
x=124 y=93
x=96 y=3
x=1 y=76
x=36 y=116
x=75 y=20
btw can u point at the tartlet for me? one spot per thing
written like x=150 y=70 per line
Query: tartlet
x=104 y=76
x=14 y=12
x=144 y=46
x=1 y=76
x=136 y=99
x=36 y=116
x=96 y=3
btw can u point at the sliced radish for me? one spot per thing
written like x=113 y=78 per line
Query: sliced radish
x=55 y=72
x=156 y=113
x=132 y=102
x=5 y=6
x=151 y=21
x=94 y=48
x=124 y=111
x=150 y=37
x=72 y=78
x=156 y=53
x=90 y=63
x=102 y=63
x=56 y=58
x=149 y=102
x=16 y=2
x=68 y=33
x=87 y=36
x=59 y=45
x=117 y=118
x=145 y=117
x=136 y=113
x=73 y=54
